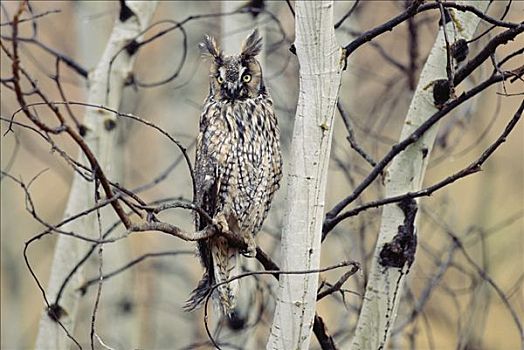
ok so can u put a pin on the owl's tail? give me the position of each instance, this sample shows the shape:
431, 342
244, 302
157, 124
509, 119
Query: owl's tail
222, 262
226, 264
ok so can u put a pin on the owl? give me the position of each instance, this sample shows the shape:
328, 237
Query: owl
238, 165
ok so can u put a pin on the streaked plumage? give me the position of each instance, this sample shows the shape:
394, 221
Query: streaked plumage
238, 164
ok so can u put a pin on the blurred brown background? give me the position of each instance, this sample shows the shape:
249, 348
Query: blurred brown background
377, 94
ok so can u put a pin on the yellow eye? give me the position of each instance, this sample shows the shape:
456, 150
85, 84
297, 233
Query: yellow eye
220, 79
246, 78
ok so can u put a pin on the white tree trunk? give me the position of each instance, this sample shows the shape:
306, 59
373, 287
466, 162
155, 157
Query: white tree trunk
406, 174
320, 59
101, 137
123, 326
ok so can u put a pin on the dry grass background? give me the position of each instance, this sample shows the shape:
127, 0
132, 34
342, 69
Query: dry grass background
483, 200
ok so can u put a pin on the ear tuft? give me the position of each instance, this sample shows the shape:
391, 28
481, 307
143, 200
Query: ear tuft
211, 46
251, 46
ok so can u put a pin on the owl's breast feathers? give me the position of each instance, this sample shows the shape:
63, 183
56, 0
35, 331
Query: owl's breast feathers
239, 156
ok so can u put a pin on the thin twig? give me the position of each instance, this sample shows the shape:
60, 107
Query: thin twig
267, 272
473, 168
331, 221
348, 14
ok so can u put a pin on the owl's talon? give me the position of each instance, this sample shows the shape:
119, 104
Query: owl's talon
251, 250
221, 223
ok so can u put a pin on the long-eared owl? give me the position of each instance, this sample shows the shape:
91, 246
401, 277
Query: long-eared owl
238, 164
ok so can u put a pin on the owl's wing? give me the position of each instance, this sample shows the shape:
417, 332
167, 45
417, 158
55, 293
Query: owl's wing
274, 172
207, 180
263, 181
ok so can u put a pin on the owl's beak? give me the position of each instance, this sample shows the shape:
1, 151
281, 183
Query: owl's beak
232, 90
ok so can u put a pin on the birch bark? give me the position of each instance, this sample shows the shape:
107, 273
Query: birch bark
101, 138
406, 174
320, 59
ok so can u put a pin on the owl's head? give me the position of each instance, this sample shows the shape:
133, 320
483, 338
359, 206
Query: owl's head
236, 77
